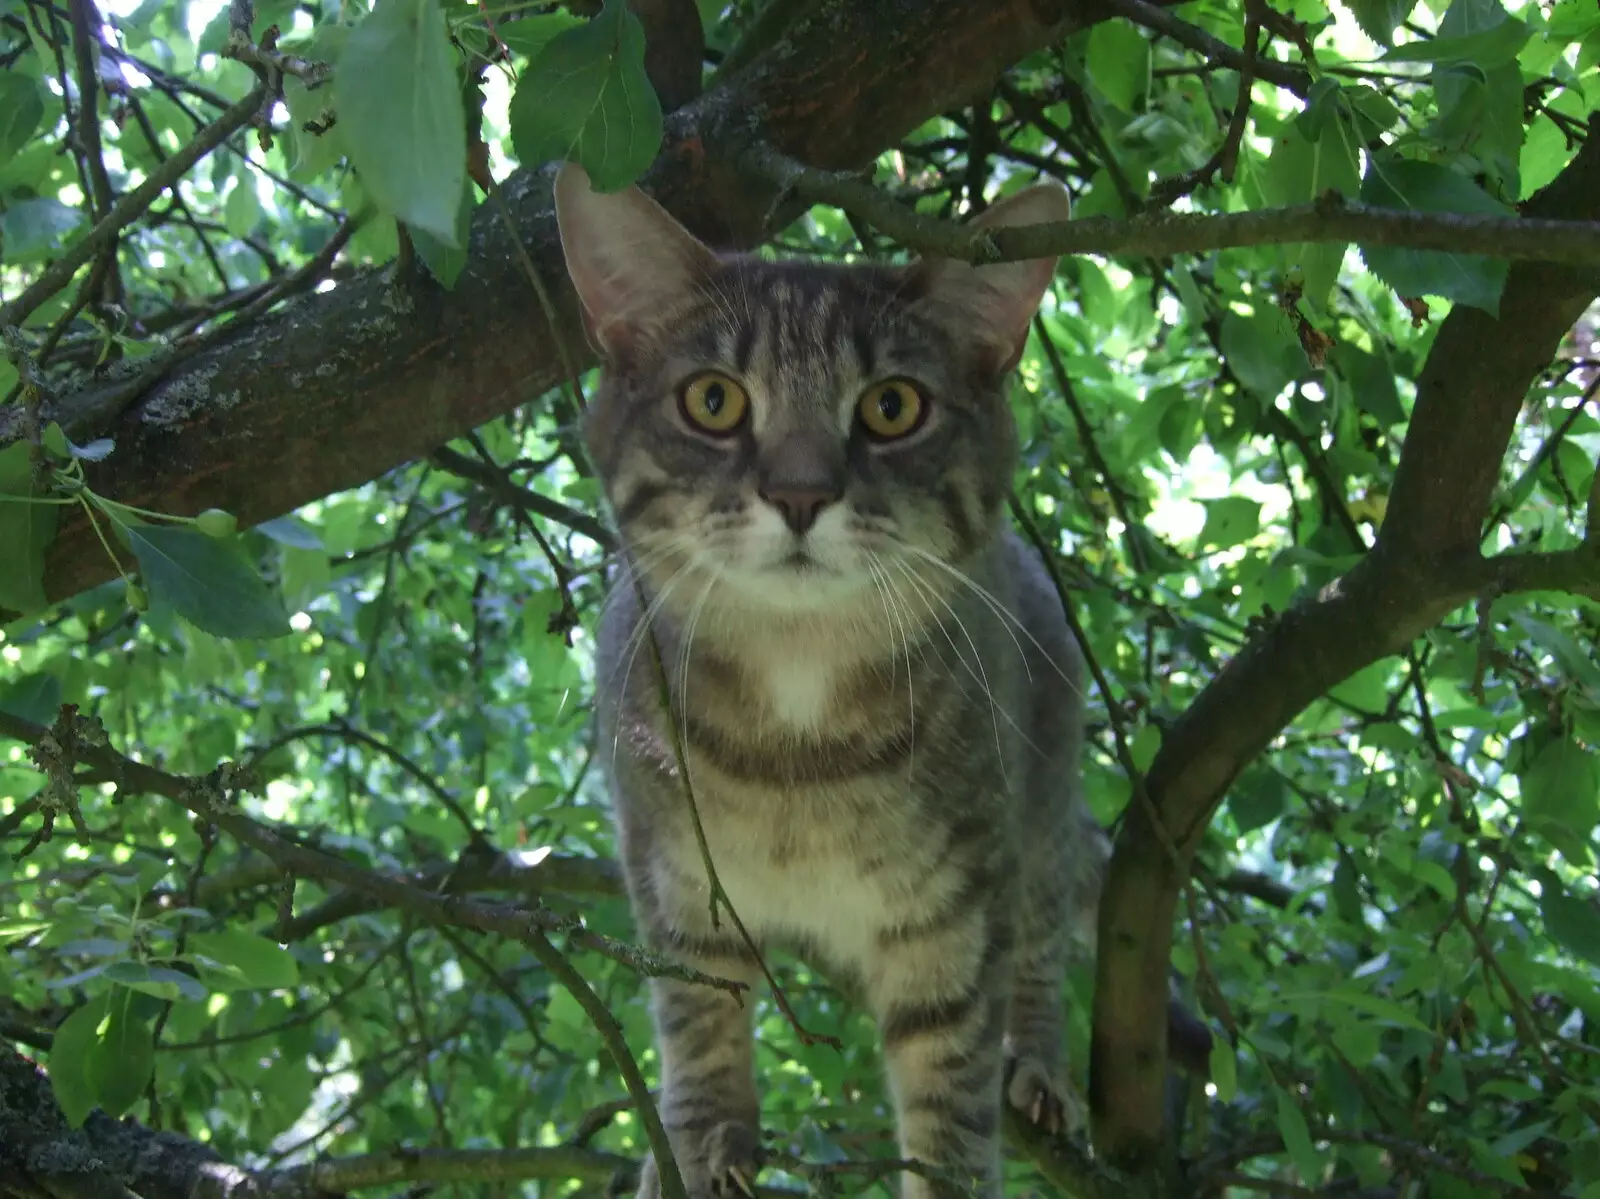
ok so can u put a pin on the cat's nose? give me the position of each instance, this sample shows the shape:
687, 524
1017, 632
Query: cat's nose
799, 506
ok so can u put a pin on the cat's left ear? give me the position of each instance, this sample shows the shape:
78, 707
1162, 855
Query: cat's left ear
994, 304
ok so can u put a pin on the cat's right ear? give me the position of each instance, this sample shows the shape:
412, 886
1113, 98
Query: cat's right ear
629, 260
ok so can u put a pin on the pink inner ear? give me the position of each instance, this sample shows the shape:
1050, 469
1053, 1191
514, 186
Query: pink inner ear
1012, 302
628, 259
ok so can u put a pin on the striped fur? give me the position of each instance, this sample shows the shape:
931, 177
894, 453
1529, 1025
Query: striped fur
882, 742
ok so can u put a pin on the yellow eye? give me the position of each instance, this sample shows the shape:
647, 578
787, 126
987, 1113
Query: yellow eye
892, 409
715, 403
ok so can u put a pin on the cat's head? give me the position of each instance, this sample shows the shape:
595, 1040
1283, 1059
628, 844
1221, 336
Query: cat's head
787, 435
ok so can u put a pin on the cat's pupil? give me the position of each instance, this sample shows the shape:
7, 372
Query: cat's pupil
716, 395
890, 403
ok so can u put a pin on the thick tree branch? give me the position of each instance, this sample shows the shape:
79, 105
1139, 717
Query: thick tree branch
1423, 565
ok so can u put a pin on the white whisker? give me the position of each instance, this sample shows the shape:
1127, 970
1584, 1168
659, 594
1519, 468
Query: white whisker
980, 676
1008, 619
885, 588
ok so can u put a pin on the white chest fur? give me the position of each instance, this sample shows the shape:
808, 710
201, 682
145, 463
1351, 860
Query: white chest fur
799, 692
797, 868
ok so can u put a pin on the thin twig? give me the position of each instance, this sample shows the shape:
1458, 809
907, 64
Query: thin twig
555, 964
1331, 218
1160, 20
85, 36
132, 206
1226, 158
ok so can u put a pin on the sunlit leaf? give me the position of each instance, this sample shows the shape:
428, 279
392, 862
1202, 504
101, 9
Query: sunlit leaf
205, 580
586, 98
236, 959
1464, 278
400, 111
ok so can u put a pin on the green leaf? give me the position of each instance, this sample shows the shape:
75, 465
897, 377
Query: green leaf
1371, 107
1573, 923
1424, 186
1480, 112
1545, 154
1229, 521
205, 580
75, 1039
1371, 382
291, 530
400, 109
1257, 799
242, 212
21, 110
1346, 892
587, 99
1570, 20
1297, 1140
447, 261
30, 229
1362, 1001
238, 961
530, 34
304, 575
1379, 18
55, 441
1118, 61
1262, 352
315, 152
1435, 876
26, 530
1224, 1070
1486, 48
35, 697
1358, 1040
1301, 169
1561, 787
121, 1060
155, 980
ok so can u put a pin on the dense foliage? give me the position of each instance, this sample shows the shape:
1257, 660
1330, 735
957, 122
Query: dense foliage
1393, 925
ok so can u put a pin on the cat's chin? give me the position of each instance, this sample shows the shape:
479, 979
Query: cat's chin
797, 585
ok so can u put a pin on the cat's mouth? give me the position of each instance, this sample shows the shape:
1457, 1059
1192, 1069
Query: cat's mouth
798, 561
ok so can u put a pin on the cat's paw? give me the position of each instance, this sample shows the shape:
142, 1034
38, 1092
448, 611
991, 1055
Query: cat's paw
1044, 1100
721, 1163
731, 1156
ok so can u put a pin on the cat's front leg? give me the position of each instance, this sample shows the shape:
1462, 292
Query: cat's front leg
940, 990
708, 1097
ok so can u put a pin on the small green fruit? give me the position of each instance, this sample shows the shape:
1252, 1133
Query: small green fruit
137, 599
214, 522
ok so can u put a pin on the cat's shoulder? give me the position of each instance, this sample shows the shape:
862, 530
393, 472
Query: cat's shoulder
1038, 600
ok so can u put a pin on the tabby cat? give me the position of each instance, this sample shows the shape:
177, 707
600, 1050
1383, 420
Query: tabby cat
874, 687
